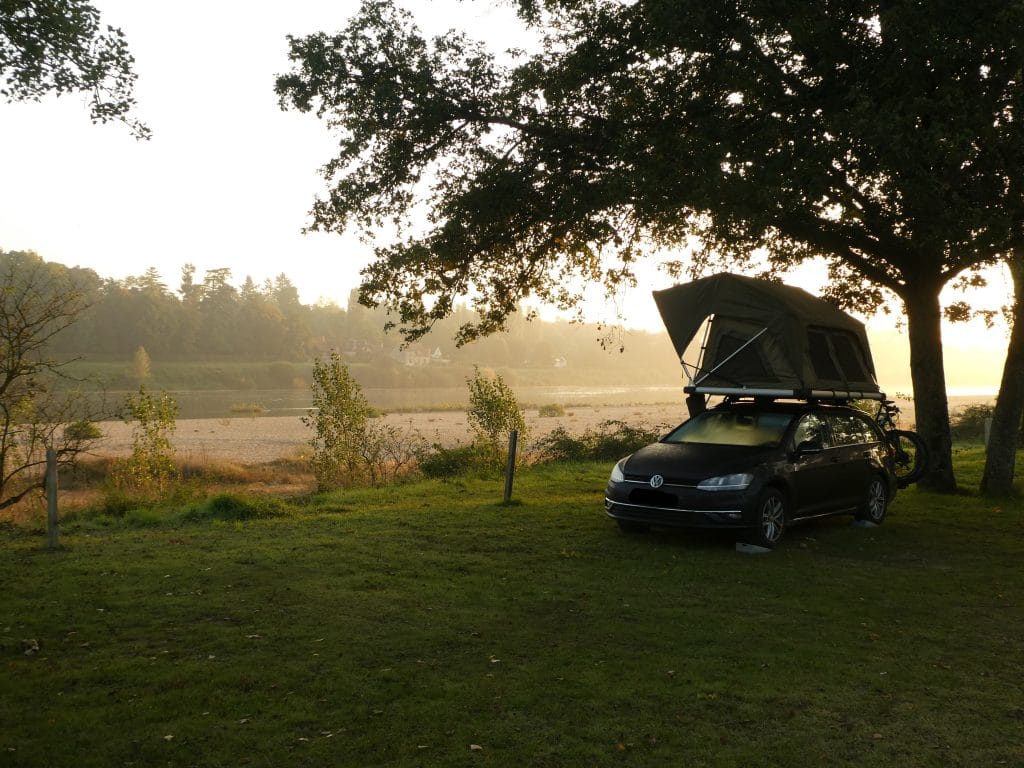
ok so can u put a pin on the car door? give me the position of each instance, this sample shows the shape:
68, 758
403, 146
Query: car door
851, 436
814, 467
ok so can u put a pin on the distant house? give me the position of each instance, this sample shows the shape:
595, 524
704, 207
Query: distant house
414, 357
419, 356
561, 362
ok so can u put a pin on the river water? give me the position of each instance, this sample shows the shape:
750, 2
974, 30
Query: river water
210, 404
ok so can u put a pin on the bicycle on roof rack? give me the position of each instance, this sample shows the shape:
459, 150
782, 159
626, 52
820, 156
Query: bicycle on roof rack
911, 454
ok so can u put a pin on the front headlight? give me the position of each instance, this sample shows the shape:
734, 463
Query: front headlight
737, 482
618, 475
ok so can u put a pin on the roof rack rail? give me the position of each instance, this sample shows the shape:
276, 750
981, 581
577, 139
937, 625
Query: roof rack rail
796, 394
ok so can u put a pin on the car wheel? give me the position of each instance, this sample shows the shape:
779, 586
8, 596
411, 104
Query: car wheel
628, 526
876, 502
771, 519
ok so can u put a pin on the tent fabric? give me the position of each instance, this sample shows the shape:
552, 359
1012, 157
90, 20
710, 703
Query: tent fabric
800, 342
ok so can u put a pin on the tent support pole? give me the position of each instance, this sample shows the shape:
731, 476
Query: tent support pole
746, 344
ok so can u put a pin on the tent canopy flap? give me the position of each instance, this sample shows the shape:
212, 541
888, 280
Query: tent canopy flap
766, 335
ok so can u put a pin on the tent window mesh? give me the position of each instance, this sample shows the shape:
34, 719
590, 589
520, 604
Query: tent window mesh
821, 357
746, 365
849, 360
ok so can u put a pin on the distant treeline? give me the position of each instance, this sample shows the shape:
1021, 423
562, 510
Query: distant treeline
210, 318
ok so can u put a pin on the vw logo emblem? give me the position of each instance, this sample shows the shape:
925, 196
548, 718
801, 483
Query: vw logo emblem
656, 481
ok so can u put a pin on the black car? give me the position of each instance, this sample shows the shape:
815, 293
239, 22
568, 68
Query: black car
758, 467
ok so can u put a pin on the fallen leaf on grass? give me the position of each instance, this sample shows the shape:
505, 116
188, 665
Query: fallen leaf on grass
475, 748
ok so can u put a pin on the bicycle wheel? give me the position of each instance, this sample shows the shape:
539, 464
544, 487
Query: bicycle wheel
910, 454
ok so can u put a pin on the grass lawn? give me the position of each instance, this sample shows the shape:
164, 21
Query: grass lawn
428, 625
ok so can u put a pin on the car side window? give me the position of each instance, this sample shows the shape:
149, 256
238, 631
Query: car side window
813, 428
850, 429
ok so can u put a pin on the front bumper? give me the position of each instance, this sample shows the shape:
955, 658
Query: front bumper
683, 508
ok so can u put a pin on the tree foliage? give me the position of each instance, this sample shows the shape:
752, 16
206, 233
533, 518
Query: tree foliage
36, 305
493, 412
269, 323
338, 418
348, 446
59, 46
150, 472
883, 137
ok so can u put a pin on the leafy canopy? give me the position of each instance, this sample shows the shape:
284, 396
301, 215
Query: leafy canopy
883, 136
58, 46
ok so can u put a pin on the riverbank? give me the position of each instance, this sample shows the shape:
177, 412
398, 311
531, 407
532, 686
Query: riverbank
262, 439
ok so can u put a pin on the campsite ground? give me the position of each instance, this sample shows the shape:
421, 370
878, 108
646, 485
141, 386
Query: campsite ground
427, 624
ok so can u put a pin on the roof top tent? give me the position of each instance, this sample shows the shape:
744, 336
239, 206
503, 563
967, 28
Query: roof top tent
765, 339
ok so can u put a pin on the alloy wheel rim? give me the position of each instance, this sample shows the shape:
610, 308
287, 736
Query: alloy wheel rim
772, 519
876, 501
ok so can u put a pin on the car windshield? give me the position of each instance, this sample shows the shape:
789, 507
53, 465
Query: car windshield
747, 428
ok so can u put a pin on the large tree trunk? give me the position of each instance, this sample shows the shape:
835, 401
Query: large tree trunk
927, 373
997, 479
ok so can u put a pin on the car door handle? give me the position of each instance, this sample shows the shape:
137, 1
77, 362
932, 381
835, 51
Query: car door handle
834, 460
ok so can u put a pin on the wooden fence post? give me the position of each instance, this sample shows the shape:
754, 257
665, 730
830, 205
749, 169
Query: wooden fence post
51, 498
510, 466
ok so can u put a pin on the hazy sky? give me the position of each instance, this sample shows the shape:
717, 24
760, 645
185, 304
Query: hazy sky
228, 178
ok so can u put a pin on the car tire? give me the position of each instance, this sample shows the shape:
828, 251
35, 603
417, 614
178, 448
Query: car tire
876, 502
770, 519
628, 526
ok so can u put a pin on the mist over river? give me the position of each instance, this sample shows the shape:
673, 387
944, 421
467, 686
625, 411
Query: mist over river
212, 404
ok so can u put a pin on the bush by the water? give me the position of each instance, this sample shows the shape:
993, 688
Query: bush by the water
610, 440
550, 410
441, 462
968, 423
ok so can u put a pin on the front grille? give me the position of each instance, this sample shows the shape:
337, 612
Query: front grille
651, 497
685, 482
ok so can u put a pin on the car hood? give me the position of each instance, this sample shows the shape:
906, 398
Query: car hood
692, 462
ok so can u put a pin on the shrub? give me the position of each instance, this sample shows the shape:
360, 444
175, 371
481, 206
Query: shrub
82, 431
347, 448
388, 453
611, 440
338, 418
248, 409
968, 423
150, 471
443, 462
493, 412
229, 506
551, 410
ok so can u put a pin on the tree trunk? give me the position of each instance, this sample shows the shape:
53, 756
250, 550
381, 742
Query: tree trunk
927, 373
1001, 455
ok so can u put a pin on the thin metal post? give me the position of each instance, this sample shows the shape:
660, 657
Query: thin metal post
510, 466
51, 498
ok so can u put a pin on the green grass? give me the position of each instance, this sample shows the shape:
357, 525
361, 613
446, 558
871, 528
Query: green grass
401, 626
